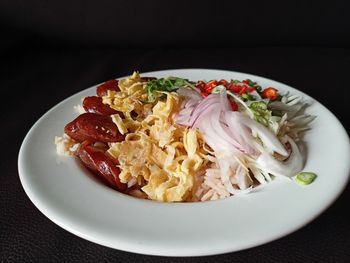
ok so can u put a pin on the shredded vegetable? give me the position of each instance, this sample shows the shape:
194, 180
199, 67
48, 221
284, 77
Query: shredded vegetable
172, 139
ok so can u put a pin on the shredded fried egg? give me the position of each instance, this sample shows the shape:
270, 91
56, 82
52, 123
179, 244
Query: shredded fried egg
162, 157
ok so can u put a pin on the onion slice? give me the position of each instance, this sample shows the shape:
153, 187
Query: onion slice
268, 138
289, 168
232, 134
190, 93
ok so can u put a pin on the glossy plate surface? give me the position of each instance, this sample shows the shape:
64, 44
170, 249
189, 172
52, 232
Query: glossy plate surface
74, 200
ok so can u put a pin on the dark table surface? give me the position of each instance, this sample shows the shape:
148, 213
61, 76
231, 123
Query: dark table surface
34, 80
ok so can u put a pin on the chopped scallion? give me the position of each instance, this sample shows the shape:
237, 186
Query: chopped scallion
305, 178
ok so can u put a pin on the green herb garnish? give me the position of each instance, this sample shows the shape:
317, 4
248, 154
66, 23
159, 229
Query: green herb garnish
258, 88
254, 85
164, 84
251, 83
260, 111
305, 178
247, 96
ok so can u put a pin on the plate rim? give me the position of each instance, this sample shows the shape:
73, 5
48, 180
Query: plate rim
44, 210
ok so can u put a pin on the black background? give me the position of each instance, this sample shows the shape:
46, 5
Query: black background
49, 50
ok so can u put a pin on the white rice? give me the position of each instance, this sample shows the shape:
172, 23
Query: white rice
65, 145
79, 109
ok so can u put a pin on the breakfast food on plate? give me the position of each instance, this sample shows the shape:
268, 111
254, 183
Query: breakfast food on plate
172, 139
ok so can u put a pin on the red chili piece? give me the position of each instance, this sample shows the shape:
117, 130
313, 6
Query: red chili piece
210, 85
244, 89
270, 93
236, 88
251, 89
234, 105
223, 82
201, 86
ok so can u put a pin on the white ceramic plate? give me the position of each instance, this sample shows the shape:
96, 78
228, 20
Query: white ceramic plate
71, 198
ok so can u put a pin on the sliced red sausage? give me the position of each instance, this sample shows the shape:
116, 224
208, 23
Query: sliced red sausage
94, 104
93, 127
101, 165
102, 89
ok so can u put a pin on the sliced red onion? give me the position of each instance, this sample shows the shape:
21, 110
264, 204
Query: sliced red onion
229, 133
212, 100
209, 124
242, 134
214, 110
213, 122
190, 103
190, 93
212, 125
183, 117
224, 102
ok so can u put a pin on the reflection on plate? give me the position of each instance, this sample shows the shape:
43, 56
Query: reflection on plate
64, 193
